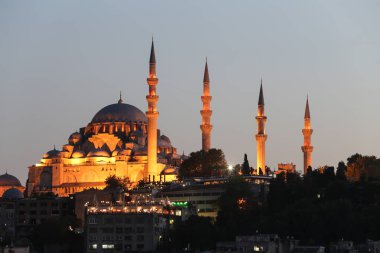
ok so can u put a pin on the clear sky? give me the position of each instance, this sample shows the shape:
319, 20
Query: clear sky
62, 61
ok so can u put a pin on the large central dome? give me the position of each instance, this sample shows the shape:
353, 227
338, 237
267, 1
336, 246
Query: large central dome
119, 112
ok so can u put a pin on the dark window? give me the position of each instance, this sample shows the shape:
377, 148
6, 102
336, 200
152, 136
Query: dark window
93, 230
140, 220
140, 230
108, 220
140, 246
140, 238
128, 238
128, 230
107, 230
119, 230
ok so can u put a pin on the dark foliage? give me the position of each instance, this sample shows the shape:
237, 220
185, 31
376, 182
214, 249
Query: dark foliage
204, 164
58, 233
116, 183
322, 207
197, 232
318, 208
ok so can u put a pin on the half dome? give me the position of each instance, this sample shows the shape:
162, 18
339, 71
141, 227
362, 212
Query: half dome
98, 153
9, 180
52, 154
13, 193
119, 112
165, 138
75, 138
78, 154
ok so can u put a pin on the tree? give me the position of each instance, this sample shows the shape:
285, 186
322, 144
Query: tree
204, 164
361, 167
236, 170
245, 169
235, 207
116, 183
341, 171
197, 232
58, 233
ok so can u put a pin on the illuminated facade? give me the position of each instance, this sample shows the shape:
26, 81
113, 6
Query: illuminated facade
152, 115
120, 140
206, 112
261, 136
129, 227
307, 131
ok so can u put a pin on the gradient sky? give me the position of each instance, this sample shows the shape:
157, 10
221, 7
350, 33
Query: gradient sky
62, 61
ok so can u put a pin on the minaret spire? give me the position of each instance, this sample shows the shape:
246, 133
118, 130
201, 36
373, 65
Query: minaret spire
307, 131
261, 136
120, 99
206, 111
307, 110
206, 78
261, 96
152, 173
152, 61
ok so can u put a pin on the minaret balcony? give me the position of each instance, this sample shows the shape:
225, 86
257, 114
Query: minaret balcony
307, 132
261, 137
152, 80
206, 113
307, 149
152, 114
206, 99
206, 128
152, 98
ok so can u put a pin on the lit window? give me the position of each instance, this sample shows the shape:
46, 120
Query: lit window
108, 246
93, 246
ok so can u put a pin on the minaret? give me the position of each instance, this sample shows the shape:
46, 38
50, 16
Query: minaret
307, 131
206, 113
152, 115
261, 137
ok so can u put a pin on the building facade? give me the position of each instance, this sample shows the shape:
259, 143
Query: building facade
120, 140
129, 227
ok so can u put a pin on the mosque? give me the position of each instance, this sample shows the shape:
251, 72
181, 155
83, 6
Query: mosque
122, 140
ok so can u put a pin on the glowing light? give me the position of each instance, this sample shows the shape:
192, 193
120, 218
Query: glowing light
230, 167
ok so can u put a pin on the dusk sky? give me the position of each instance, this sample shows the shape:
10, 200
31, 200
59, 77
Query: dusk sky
62, 61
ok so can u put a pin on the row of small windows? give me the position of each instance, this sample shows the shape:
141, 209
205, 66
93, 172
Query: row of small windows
118, 220
189, 194
118, 247
117, 230
207, 210
107, 238
41, 212
35, 204
6, 206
